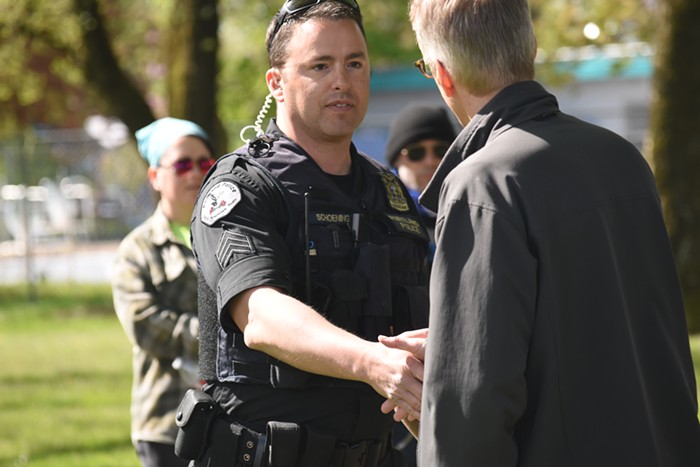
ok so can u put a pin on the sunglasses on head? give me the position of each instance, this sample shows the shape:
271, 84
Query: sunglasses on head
182, 166
416, 152
292, 7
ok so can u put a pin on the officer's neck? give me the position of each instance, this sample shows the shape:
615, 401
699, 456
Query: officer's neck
333, 161
331, 155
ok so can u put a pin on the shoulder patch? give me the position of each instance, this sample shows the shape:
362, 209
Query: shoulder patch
394, 193
219, 201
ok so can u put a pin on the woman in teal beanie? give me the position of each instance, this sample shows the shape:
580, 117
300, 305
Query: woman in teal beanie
154, 285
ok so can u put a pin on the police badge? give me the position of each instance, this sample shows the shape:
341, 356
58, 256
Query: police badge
394, 192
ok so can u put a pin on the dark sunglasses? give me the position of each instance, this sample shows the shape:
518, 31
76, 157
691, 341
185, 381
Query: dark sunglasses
416, 152
182, 166
292, 7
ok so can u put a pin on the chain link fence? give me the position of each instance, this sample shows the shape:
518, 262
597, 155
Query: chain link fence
64, 184
80, 186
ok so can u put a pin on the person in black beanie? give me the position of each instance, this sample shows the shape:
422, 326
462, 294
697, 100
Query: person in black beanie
418, 139
419, 132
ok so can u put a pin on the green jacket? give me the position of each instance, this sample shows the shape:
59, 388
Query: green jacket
155, 296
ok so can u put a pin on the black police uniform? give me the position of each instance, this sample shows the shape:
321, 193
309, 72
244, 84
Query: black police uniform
352, 247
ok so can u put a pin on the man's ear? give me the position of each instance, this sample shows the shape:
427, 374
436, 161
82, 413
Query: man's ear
444, 79
274, 84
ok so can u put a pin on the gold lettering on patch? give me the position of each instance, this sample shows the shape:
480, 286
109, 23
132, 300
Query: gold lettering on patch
394, 193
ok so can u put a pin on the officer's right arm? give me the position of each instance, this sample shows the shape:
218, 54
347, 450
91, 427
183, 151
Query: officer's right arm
303, 338
246, 261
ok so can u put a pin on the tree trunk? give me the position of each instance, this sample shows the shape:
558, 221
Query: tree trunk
102, 70
193, 46
675, 130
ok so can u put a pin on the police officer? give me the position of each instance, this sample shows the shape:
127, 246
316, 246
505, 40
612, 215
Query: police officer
308, 252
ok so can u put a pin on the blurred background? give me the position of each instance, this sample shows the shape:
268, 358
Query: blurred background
78, 77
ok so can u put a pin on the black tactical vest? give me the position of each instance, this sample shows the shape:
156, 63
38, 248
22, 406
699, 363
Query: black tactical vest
359, 260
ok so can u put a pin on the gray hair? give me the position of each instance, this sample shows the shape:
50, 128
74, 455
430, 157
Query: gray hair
484, 44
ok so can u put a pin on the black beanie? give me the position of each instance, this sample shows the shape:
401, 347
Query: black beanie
417, 122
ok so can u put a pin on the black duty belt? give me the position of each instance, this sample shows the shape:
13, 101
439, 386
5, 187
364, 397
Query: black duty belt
210, 438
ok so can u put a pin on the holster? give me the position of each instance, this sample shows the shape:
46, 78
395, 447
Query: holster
231, 444
194, 417
211, 438
208, 437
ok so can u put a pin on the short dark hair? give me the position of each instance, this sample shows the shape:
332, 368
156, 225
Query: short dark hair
332, 10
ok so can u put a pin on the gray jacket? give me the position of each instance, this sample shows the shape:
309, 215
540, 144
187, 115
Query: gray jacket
557, 328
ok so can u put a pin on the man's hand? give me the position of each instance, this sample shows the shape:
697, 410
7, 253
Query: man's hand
413, 342
410, 341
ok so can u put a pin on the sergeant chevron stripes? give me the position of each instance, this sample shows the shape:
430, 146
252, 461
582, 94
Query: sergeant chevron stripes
232, 243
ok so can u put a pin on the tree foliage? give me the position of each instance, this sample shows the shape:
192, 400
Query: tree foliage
66, 59
141, 60
39, 82
560, 23
133, 60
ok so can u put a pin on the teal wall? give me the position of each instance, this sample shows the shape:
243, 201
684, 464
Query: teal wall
402, 79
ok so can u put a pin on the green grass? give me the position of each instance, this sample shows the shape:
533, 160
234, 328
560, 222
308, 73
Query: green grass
66, 376
65, 380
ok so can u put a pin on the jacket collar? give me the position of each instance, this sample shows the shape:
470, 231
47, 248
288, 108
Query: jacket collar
161, 232
511, 107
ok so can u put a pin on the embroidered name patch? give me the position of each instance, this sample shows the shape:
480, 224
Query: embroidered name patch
219, 201
331, 218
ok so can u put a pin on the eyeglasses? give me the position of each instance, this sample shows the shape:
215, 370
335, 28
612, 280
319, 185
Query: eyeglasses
416, 152
292, 7
182, 166
424, 68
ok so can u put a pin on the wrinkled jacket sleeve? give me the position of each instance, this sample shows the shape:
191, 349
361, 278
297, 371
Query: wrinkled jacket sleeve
155, 299
483, 289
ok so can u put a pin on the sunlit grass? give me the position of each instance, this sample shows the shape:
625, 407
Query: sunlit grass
66, 377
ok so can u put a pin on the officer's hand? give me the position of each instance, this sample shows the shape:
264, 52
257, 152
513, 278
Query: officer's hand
398, 377
410, 341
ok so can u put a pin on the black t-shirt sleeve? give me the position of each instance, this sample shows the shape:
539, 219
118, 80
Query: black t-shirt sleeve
236, 232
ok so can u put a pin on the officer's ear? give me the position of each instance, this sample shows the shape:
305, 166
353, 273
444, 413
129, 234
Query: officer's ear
273, 77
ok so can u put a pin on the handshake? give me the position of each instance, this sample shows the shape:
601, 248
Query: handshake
405, 390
